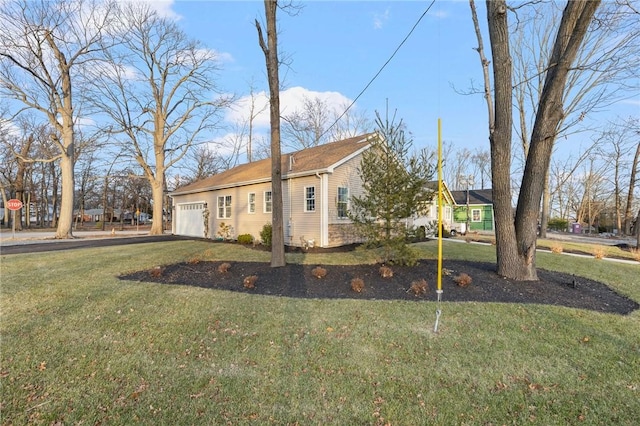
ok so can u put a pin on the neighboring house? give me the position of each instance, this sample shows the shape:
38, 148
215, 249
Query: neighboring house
479, 211
317, 184
428, 216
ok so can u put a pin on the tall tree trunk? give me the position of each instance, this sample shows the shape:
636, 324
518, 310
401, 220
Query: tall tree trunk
632, 184
516, 243
270, 50
546, 206
638, 230
573, 27
500, 133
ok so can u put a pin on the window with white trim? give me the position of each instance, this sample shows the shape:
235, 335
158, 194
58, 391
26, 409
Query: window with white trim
268, 203
343, 202
309, 198
475, 215
224, 207
252, 203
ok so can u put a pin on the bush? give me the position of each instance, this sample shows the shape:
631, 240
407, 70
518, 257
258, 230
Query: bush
265, 234
156, 272
223, 268
557, 248
558, 224
245, 239
385, 272
599, 252
401, 254
357, 285
319, 272
250, 281
463, 280
419, 287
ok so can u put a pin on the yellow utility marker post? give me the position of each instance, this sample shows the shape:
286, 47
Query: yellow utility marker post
440, 209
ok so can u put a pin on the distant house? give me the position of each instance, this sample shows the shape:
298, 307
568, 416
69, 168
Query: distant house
479, 211
317, 184
428, 215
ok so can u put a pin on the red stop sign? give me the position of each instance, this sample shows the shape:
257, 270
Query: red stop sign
14, 204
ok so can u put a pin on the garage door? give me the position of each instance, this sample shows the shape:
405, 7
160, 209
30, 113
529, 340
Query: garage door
189, 219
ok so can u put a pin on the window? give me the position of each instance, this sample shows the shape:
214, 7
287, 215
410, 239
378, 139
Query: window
309, 198
224, 207
475, 215
252, 202
268, 204
343, 198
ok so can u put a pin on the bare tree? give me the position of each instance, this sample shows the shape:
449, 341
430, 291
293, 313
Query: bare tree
307, 127
601, 75
516, 239
44, 48
317, 122
157, 87
269, 47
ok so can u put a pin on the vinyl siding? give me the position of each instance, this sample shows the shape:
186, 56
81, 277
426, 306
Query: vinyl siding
241, 221
346, 175
299, 223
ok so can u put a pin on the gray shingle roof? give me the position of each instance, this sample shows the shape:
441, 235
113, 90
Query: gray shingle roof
476, 196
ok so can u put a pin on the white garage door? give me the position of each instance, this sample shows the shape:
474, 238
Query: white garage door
189, 219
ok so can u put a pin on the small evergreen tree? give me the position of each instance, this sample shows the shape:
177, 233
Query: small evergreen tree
394, 188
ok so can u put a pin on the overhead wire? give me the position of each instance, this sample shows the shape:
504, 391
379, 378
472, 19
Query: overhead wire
381, 68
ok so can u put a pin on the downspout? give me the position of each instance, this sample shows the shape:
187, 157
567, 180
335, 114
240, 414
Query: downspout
324, 209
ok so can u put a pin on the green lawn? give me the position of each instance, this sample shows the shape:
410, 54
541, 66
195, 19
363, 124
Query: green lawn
81, 347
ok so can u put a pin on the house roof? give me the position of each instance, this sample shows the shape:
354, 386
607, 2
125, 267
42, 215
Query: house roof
318, 159
476, 196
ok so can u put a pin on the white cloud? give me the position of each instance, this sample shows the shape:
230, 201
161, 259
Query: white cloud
164, 8
439, 14
380, 19
291, 100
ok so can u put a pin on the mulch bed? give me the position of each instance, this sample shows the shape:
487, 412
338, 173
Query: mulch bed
292, 280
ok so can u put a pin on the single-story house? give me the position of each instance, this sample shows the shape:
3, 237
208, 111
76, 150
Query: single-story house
317, 184
479, 209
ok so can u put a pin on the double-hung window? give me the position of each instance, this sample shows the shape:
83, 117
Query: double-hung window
309, 198
268, 203
475, 215
224, 207
342, 204
252, 203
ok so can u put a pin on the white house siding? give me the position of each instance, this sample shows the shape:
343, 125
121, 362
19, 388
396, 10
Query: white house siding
341, 230
300, 224
241, 221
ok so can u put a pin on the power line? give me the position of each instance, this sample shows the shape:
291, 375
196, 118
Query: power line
381, 68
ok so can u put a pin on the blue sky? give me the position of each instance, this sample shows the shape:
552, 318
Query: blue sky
336, 47
340, 46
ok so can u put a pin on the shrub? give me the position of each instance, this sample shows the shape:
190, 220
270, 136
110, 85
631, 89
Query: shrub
599, 252
225, 231
635, 253
319, 272
419, 287
245, 239
463, 279
250, 281
357, 285
399, 253
558, 224
223, 268
556, 248
265, 234
385, 272
194, 260
156, 271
